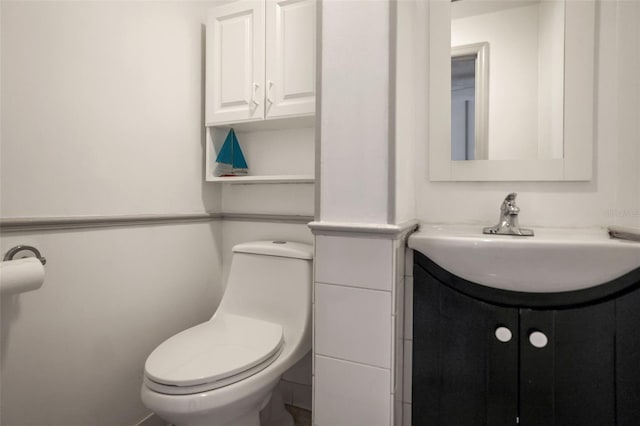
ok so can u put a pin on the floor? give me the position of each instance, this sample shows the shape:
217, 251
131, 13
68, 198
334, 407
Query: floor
301, 417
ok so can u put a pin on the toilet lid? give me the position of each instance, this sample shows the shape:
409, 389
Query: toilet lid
215, 350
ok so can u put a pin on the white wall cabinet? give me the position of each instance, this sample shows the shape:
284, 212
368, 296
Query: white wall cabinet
260, 61
260, 80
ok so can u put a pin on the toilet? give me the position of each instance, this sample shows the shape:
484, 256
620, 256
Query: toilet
225, 372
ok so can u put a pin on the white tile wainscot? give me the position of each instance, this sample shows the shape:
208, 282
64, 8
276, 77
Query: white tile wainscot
408, 337
348, 393
353, 324
398, 335
358, 308
353, 261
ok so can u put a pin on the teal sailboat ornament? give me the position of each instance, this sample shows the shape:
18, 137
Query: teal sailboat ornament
230, 159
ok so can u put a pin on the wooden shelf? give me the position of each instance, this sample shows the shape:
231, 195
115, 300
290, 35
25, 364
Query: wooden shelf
263, 179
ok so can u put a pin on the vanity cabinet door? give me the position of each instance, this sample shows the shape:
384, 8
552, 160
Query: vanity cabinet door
235, 62
465, 356
567, 366
628, 359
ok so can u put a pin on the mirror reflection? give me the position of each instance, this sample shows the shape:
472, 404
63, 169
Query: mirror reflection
507, 79
469, 97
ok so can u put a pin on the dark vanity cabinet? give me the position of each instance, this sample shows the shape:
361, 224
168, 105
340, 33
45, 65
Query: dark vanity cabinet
484, 356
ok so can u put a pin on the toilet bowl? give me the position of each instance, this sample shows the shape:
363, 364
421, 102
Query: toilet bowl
223, 372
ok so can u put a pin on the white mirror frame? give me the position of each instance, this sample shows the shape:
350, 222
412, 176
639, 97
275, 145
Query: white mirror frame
576, 164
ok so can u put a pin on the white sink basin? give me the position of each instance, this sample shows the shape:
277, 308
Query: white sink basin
554, 260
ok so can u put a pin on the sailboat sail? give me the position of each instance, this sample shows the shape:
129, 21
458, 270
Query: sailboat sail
230, 158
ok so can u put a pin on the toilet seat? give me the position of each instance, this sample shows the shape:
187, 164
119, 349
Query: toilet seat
224, 350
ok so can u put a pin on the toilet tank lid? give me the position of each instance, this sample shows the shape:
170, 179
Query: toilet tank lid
276, 248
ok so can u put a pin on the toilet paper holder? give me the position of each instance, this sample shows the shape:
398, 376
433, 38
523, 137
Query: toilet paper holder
17, 249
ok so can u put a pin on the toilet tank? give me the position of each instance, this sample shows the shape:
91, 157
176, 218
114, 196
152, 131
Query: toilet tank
272, 281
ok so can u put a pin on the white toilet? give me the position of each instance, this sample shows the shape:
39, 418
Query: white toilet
224, 371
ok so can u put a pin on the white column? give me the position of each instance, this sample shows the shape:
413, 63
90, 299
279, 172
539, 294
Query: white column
354, 111
359, 269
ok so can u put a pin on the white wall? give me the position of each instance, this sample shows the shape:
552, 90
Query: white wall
102, 115
293, 199
550, 81
73, 352
612, 196
102, 107
285, 151
625, 210
354, 113
274, 152
405, 113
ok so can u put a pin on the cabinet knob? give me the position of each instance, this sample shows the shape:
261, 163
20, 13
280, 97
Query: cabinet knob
538, 339
503, 334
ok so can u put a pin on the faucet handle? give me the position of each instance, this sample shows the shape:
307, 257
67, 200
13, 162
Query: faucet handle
511, 197
509, 204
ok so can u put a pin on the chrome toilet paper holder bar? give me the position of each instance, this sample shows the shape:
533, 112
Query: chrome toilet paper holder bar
17, 249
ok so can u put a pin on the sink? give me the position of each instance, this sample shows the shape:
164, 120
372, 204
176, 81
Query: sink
554, 260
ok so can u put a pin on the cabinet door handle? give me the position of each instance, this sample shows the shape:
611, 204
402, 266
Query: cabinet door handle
253, 95
503, 334
538, 339
269, 86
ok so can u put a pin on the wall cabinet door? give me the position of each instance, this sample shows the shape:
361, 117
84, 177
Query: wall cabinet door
291, 57
235, 62
465, 358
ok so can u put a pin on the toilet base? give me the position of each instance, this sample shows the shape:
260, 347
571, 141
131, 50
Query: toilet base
269, 412
249, 419
274, 413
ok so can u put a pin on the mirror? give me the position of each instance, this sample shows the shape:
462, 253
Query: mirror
522, 106
518, 103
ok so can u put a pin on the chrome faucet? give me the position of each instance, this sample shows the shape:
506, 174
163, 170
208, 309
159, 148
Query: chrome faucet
508, 224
